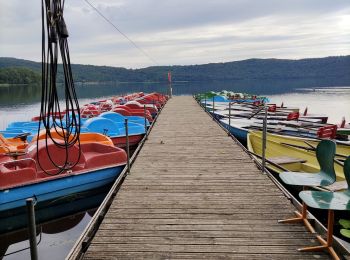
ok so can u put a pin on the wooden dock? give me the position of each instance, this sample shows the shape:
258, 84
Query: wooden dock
195, 194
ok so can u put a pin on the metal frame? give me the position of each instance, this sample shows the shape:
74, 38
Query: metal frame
32, 229
325, 244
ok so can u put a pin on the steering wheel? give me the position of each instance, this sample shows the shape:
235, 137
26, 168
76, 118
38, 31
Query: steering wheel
23, 136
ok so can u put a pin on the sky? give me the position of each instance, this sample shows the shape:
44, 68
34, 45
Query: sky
182, 32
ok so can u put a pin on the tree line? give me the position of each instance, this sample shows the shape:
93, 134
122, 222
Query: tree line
19, 75
329, 69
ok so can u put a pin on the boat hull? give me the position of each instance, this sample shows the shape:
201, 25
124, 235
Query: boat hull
120, 141
278, 147
239, 133
13, 220
62, 186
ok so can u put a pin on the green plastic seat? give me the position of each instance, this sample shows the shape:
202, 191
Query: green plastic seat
329, 201
325, 152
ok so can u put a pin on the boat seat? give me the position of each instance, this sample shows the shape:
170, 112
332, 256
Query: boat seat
100, 155
325, 152
17, 172
286, 159
57, 154
328, 201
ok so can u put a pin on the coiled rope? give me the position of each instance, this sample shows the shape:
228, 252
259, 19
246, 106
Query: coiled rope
68, 127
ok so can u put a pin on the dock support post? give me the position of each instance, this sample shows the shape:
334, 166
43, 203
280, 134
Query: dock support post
229, 116
264, 139
170, 90
213, 105
205, 103
32, 229
127, 144
144, 113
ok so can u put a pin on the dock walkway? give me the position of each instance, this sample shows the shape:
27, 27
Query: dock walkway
195, 194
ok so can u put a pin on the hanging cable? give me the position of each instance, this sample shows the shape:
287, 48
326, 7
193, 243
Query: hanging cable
123, 34
67, 127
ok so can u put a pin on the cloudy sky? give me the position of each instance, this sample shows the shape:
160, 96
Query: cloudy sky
181, 32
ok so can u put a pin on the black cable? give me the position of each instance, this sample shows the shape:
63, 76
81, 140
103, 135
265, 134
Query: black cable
55, 32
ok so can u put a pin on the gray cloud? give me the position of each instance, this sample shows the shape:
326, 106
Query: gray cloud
184, 32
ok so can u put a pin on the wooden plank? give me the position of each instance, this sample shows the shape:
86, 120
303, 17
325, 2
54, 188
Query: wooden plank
120, 214
196, 234
232, 241
192, 248
248, 212
286, 160
247, 228
237, 206
204, 241
194, 194
197, 221
199, 255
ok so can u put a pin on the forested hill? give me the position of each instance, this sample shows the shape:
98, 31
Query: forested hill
330, 69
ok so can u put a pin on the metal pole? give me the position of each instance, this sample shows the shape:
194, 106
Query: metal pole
264, 139
32, 229
229, 115
144, 110
127, 144
205, 103
213, 104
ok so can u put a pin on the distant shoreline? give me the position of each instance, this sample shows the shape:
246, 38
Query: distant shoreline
325, 71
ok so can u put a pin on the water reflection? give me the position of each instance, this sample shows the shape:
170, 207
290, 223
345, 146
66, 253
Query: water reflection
28, 94
58, 227
19, 94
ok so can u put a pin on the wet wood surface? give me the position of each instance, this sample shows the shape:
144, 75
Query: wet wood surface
195, 194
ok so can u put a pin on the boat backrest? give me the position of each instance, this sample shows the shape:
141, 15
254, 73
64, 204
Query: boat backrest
122, 111
329, 131
95, 138
325, 152
134, 104
272, 107
127, 108
102, 125
293, 116
347, 171
116, 117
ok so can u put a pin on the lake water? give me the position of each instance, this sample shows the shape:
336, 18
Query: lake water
19, 103
58, 226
